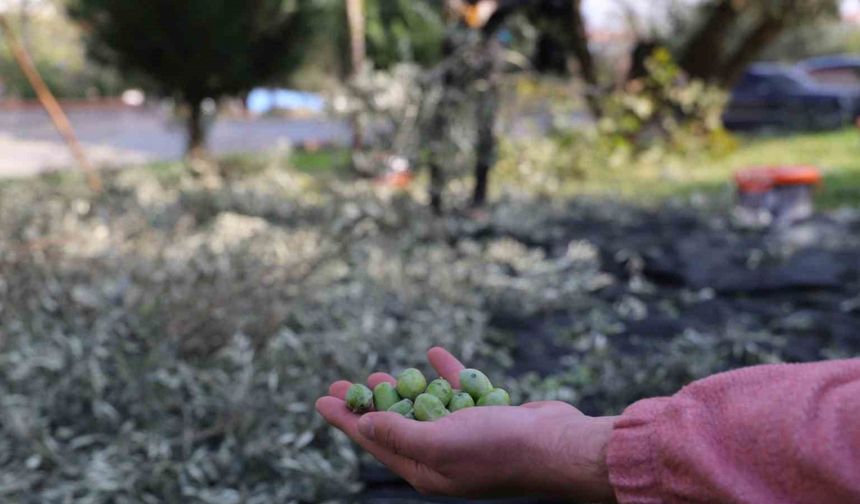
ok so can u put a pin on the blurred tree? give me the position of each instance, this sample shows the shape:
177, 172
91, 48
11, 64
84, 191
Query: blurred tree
404, 31
396, 31
357, 20
54, 43
713, 40
827, 36
197, 49
563, 30
731, 34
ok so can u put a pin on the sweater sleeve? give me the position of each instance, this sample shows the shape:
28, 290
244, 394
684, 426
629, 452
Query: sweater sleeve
768, 434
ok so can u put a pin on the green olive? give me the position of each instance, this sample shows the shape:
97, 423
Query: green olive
461, 401
441, 389
475, 383
498, 397
428, 408
359, 399
384, 396
403, 407
411, 383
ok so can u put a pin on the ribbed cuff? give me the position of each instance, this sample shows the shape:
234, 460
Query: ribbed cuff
633, 454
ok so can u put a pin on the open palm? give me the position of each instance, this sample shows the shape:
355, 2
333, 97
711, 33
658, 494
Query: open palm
544, 448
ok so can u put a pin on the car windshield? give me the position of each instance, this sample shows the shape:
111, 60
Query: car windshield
788, 81
785, 81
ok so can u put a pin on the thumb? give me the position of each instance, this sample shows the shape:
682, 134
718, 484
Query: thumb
404, 437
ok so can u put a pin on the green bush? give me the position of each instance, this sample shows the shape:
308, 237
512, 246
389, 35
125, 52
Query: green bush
664, 110
54, 43
661, 122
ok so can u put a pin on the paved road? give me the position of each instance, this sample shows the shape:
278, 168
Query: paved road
126, 136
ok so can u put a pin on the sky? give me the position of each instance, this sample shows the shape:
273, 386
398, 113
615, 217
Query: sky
606, 14
601, 14
609, 14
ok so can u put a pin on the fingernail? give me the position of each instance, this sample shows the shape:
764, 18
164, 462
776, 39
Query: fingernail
365, 427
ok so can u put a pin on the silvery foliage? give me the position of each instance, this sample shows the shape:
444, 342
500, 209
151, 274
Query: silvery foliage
165, 342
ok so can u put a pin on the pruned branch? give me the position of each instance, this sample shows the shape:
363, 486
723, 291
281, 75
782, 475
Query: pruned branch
50, 103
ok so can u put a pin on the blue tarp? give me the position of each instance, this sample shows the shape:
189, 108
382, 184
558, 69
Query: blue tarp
263, 100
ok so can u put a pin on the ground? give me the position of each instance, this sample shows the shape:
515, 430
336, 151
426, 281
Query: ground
115, 135
164, 341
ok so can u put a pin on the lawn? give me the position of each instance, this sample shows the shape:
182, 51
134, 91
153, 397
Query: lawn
645, 182
331, 161
836, 153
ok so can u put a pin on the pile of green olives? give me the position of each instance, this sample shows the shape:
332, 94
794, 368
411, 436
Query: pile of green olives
415, 399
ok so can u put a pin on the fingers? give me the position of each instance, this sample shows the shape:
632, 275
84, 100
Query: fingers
338, 389
335, 412
377, 378
408, 438
416, 473
446, 365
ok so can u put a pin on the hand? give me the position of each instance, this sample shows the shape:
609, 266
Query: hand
547, 448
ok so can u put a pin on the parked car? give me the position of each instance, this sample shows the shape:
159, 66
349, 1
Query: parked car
783, 97
837, 70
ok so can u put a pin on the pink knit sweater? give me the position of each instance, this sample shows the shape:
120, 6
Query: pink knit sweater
768, 434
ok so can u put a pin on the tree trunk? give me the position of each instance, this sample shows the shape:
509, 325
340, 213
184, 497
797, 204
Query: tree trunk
355, 17
703, 53
642, 51
437, 185
487, 144
358, 55
196, 148
765, 32
482, 176
582, 53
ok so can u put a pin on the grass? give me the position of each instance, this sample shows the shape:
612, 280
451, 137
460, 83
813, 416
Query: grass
837, 154
323, 162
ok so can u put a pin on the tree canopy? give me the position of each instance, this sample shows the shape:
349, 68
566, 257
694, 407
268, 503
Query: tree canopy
197, 49
730, 34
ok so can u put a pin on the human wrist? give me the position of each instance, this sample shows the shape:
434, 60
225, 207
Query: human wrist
603, 429
578, 458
